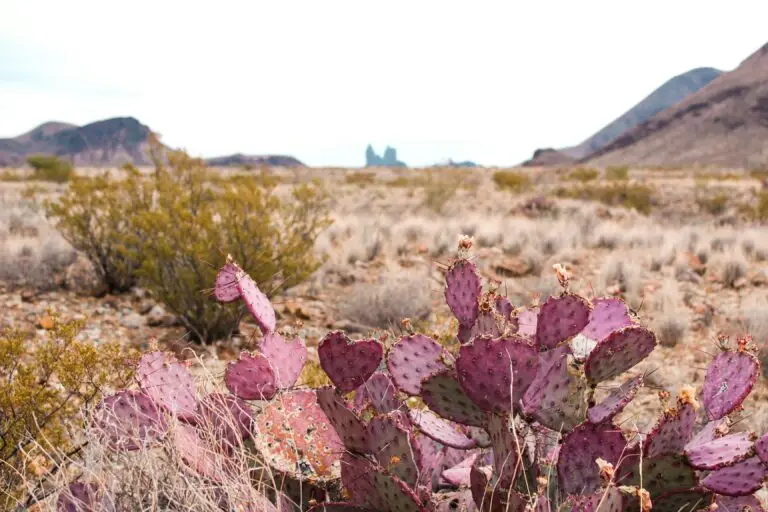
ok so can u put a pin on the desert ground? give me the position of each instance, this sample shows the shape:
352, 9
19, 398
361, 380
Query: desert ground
693, 266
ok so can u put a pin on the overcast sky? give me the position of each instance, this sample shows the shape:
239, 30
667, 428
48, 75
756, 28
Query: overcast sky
483, 81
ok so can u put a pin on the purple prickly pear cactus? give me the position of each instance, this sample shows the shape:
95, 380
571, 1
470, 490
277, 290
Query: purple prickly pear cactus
370, 486
296, 437
487, 324
489, 497
616, 401
711, 431
761, 448
462, 291
608, 314
197, 455
721, 452
444, 395
465, 333
251, 377
527, 320
609, 499
618, 352
257, 303
83, 497
740, 479
349, 363
556, 397
673, 430
286, 357
452, 501
168, 383
440, 430
659, 474
378, 392
226, 417
507, 446
738, 504
347, 425
393, 445
225, 289
729, 380
577, 471
458, 475
684, 499
561, 318
129, 420
504, 307
495, 373
431, 460
414, 358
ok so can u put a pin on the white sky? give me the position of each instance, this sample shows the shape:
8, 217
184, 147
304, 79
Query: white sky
479, 80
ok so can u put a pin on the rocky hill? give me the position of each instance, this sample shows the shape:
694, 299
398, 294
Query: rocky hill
110, 142
241, 160
723, 124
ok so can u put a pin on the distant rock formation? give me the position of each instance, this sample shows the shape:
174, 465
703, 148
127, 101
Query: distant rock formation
241, 160
389, 159
451, 163
546, 157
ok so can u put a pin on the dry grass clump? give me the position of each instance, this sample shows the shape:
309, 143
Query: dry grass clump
671, 317
731, 267
395, 296
619, 274
755, 323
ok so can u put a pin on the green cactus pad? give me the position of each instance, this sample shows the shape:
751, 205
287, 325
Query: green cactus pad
659, 474
445, 396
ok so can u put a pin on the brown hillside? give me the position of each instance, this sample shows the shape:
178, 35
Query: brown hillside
723, 124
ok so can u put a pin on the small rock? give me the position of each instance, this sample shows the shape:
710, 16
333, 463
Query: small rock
513, 267
156, 316
740, 283
132, 321
46, 322
145, 307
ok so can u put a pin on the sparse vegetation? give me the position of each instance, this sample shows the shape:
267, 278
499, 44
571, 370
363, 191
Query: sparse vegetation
50, 168
617, 173
632, 196
582, 174
513, 181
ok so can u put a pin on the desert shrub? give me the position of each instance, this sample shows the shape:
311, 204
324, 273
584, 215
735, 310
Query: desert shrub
715, 205
50, 168
512, 180
582, 174
621, 276
439, 190
732, 267
43, 386
671, 316
620, 173
360, 178
630, 196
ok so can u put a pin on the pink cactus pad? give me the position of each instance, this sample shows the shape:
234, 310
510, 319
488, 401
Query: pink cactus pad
761, 447
414, 358
295, 437
370, 486
489, 497
608, 314
577, 471
431, 457
711, 431
504, 308
615, 402
168, 383
129, 420
507, 450
251, 377
618, 352
227, 418
741, 479
729, 380
527, 320
496, 372
721, 452
347, 425
462, 291
444, 395
349, 363
380, 393
225, 288
440, 430
257, 303
672, 431
287, 358
197, 455
556, 397
391, 441
560, 318
83, 497
747, 503
458, 474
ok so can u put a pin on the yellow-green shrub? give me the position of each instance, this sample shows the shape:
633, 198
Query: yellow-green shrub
631, 196
714, 205
512, 180
50, 168
582, 174
43, 386
617, 173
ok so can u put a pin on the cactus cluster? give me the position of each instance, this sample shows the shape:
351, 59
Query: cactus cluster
507, 422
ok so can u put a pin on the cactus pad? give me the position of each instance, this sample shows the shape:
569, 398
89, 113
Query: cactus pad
391, 442
462, 291
286, 358
83, 497
507, 448
168, 383
761, 448
226, 417
225, 288
556, 397
295, 436
660, 474
608, 314
618, 352
196, 454
257, 303
577, 471
747, 503
346, 424
527, 320
371, 487
683, 500
487, 324
604, 500
561, 318
740, 479
444, 395
453, 501
349, 363
251, 377
495, 373
129, 420
458, 475
491, 498
615, 402
440, 430
730, 377
723, 451
431, 459
414, 358
672, 431
379, 393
